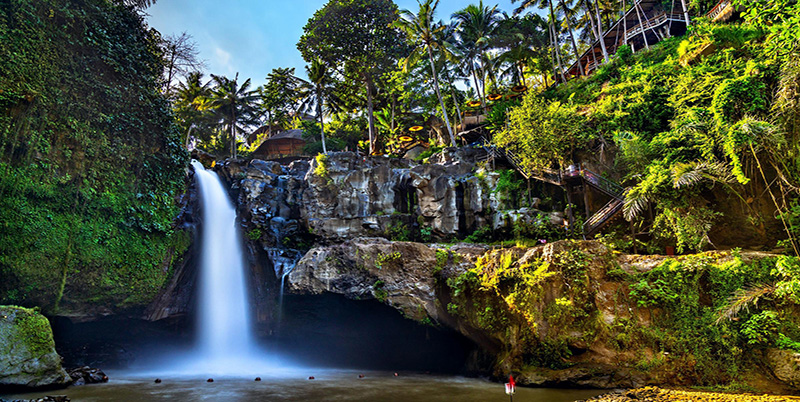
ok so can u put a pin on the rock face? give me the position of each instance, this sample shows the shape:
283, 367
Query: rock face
559, 314
785, 365
343, 196
401, 274
28, 358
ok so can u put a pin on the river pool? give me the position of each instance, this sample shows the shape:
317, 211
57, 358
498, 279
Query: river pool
294, 385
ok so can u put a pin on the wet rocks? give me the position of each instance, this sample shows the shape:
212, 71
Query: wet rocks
28, 357
49, 398
785, 365
655, 394
87, 375
397, 273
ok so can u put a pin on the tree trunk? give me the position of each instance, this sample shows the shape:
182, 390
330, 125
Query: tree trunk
644, 32
600, 31
594, 29
475, 79
373, 147
572, 37
624, 22
439, 95
453, 92
233, 134
556, 51
394, 107
321, 123
686, 13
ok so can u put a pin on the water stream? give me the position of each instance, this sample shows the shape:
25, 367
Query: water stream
225, 342
224, 322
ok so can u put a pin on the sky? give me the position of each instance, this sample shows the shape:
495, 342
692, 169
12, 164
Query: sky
252, 37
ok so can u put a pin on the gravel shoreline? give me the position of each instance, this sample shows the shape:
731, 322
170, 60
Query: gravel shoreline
655, 394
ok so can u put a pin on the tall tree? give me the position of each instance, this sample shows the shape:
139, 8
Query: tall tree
421, 30
567, 21
180, 57
554, 32
476, 24
191, 107
523, 41
314, 93
235, 105
278, 97
359, 38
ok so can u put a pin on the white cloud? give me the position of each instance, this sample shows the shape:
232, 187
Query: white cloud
222, 60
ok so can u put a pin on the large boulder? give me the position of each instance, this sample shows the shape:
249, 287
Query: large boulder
28, 357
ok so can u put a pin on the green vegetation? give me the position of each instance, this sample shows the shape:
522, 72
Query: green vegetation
91, 163
379, 292
33, 331
687, 129
383, 259
703, 324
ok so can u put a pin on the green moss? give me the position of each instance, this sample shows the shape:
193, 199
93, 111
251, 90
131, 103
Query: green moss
33, 331
379, 292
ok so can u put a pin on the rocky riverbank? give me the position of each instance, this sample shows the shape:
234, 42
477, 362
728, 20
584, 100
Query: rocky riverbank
655, 394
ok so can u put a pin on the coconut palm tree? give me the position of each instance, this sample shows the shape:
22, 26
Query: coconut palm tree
318, 90
476, 25
422, 32
553, 30
568, 14
234, 105
191, 106
522, 41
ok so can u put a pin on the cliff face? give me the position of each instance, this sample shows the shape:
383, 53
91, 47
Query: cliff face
343, 196
569, 313
565, 313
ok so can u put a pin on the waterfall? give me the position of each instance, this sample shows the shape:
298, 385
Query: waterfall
224, 320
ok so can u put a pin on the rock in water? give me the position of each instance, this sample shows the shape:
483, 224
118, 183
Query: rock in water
28, 357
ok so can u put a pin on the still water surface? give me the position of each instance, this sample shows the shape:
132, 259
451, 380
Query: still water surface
328, 385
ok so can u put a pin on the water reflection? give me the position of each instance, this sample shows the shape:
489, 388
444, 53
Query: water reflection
293, 385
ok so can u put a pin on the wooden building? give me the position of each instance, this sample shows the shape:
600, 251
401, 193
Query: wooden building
285, 144
645, 24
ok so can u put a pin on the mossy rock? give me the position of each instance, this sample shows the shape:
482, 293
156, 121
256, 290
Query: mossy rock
28, 357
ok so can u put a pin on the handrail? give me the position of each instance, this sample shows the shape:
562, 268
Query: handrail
718, 9
602, 216
654, 22
601, 183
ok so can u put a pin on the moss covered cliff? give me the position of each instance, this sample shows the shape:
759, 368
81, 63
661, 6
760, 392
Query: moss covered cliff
579, 313
91, 163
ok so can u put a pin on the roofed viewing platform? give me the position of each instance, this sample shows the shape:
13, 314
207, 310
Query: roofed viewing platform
644, 24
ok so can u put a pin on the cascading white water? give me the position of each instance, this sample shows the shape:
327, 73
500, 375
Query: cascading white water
226, 345
224, 331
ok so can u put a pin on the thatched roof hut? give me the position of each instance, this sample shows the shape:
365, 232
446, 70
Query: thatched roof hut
281, 145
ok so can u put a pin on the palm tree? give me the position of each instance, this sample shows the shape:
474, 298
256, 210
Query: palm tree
234, 105
568, 12
551, 20
523, 39
421, 30
191, 103
316, 90
476, 24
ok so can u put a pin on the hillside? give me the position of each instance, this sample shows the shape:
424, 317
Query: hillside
91, 164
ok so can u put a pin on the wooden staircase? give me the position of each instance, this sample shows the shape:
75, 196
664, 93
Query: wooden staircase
608, 212
599, 219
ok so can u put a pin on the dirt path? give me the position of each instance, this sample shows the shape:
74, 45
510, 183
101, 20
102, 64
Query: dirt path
655, 394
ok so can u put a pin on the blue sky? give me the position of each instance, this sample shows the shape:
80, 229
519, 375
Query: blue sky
252, 37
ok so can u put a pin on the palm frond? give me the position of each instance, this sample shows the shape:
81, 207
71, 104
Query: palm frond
742, 299
634, 204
